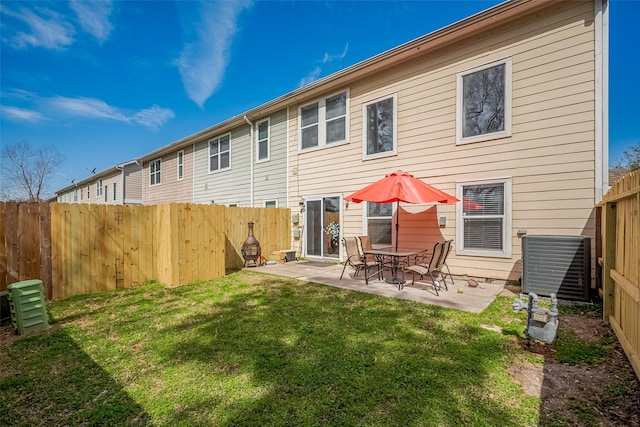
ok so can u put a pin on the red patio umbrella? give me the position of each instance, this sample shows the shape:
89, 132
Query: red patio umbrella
399, 187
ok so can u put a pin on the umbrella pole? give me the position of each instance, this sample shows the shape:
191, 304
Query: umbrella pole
397, 223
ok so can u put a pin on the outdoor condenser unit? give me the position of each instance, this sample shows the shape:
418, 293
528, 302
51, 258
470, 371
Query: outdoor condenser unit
558, 265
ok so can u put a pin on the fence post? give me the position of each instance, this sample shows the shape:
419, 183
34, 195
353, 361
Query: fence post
609, 259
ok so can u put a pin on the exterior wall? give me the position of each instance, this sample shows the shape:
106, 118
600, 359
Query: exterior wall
170, 188
270, 177
234, 184
132, 176
549, 156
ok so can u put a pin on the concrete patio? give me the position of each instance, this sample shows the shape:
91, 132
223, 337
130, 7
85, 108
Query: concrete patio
461, 296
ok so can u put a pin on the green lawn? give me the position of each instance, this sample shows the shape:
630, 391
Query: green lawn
255, 349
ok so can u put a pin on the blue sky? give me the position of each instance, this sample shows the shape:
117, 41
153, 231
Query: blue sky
105, 82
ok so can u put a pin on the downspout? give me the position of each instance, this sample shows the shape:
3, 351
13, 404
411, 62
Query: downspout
601, 98
121, 169
193, 173
252, 160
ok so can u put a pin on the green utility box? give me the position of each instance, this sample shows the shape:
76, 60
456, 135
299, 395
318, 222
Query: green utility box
28, 308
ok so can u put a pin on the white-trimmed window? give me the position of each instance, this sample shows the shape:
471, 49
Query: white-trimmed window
88, 192
155, 172
262, 141
483, 224
270, 203
324, 122
99, 188
106, 193
483, 107
232, 205
114, 191
379, 217
379, 127
219, 153
75, 194
180, 160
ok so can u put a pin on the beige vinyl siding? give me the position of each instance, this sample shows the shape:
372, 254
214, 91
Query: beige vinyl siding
549, 156
170, 188
226, 186
270, 182
132, 191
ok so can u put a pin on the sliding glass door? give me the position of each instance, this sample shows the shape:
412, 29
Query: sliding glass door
322, 225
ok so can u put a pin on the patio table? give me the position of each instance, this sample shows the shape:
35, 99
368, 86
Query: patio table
395, 256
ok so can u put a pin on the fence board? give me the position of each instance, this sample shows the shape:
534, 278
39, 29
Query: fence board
621, 263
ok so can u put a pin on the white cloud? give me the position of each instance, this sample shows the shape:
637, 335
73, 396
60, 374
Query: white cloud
153, 117
315, 73
46, 28
94, 17
85, 107
21, 114
312, 76
203, 61
330, 58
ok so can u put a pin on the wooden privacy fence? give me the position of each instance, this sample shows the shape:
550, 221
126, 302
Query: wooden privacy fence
83, 248
621, 263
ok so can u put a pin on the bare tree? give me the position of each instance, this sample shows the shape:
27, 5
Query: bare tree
631, 158
26, 172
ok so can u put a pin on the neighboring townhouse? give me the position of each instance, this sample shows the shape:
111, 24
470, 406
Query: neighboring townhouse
506, 109
240, 162
167, 175
120, 184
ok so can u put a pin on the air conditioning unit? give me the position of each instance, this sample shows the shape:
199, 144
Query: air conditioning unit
558, 265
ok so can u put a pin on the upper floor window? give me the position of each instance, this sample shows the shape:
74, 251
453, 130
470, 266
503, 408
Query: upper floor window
99, 188
114, 191
180, 165
219, 153
106, 193
263, 140
324, 122
484, 102
88, 191
75, 195
380, 127
155, 172
484, 218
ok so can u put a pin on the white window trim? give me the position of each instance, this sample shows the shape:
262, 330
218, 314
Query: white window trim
507, 104
393, 152
75, 194
233, 205
99, 188
507, 231
178, 165
114, 197
264, 203
322, 137
209, 157
158, 172
257, 132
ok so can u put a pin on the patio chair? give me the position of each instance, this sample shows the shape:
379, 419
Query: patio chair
355, 257
437, 260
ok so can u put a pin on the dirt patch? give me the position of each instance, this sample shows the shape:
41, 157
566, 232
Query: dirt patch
602, 394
